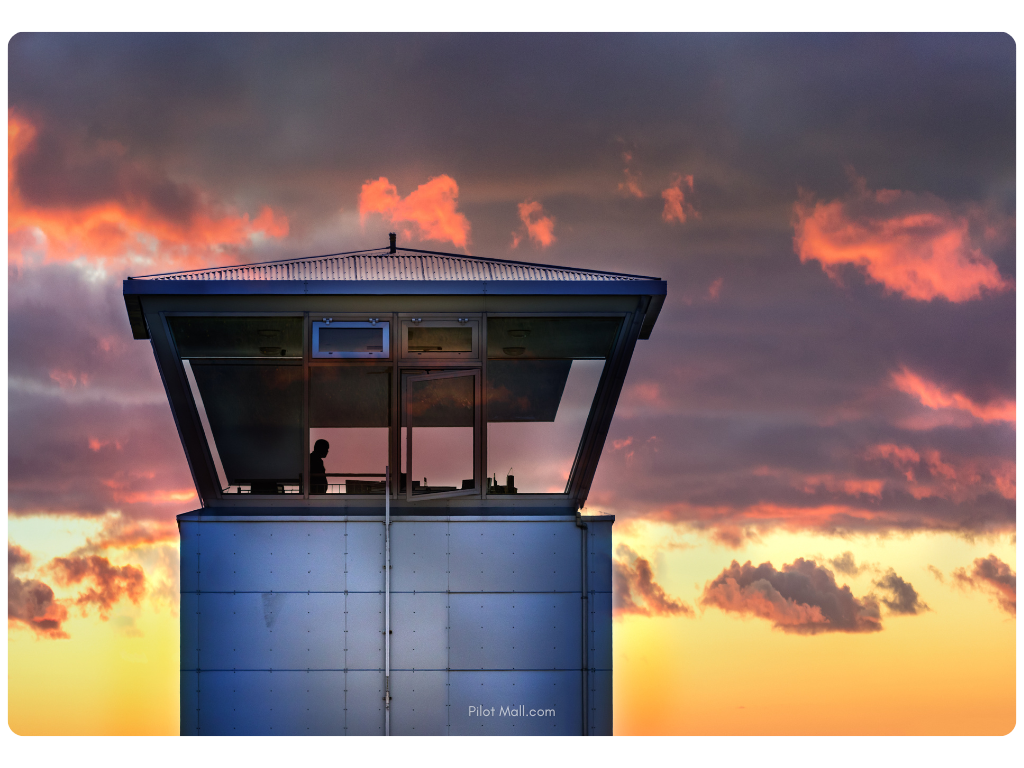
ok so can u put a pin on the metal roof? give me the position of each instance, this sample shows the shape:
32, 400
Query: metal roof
404, 264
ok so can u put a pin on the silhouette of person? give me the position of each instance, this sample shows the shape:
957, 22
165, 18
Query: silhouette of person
317, 472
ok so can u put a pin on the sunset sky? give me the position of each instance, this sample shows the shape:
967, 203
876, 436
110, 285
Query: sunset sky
812, 464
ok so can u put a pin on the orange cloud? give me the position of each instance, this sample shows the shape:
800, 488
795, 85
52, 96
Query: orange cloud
715, 288
72, 199
539, 228
992, 575
111, 583
676, 208
31, 602
430, 209
911, 244
635, 590
931, 395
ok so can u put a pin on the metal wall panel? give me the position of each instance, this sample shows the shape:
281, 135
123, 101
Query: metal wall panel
217, 714
279, 630
600, 702
600, 630
189, 559
364, 631
514, 557
561, 691
599, 555
364, 704
419, 631
188, 707
419, 703
515, 605
364, 557
419, 557
188, 623
521, 631
217, 554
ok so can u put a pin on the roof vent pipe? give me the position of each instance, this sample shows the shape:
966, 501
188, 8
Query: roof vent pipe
391, 237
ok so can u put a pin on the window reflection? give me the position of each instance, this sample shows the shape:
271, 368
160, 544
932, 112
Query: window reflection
441, 412
255, 337
542, 378
255, 416
349, 409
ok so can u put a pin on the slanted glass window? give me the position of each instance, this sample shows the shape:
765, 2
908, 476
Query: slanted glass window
439, 447
350, 339
252, 337
542, 378
253, 418
349, 416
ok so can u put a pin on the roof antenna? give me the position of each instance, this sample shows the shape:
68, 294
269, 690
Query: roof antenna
391, 237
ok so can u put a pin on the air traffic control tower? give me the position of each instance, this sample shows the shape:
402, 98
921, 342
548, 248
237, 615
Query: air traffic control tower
391, 449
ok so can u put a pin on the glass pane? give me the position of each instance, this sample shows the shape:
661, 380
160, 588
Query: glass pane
237, 336
445, 402
350, 461
349, 410
441, 413
551, 337
334, 339
455, 339
349, 396
535, 422
255, 414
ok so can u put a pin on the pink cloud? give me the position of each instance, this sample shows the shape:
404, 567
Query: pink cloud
933, 396
431, 209
913, 244
631, 185
636, 591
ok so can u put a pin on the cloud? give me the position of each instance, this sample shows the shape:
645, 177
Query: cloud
992, 575
676, 208
928, 474
631, 185
846, 565
802, 598
937, 574
715, 288
110, 583
430, 210
635, 590
74, 197
31, 602
913, 244
902, 598
932, 395
734, 536
539, 228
